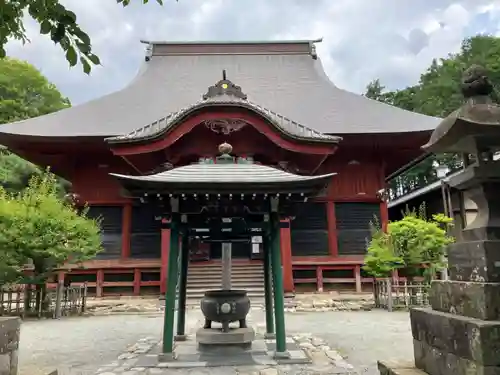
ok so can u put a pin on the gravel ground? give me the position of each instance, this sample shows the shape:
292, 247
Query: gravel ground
84, 344
362, 338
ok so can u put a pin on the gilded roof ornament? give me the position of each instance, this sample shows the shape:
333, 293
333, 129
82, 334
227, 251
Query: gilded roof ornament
224, 87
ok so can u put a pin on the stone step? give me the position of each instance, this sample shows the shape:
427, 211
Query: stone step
203, 290
219, 270
234, 275
201, 281
210, 278
215, 287
214, 271
198, 295
193, 299
255, 301
219, 266
395, 368
207, 277
234, 281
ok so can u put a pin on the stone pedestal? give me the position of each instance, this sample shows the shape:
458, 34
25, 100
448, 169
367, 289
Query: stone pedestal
235, 336
9, 344
460, 333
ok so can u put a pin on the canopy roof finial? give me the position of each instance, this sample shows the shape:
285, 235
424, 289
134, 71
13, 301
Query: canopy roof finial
225, 150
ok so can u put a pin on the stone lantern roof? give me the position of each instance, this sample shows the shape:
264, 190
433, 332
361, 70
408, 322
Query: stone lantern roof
473, 128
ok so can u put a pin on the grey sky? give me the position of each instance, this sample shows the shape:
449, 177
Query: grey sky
394, 40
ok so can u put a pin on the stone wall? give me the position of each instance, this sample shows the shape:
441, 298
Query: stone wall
9, 344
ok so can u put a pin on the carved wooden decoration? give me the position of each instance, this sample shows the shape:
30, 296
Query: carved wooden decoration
225, 126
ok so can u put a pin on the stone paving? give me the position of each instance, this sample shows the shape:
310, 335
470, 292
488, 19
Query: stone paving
307, 302
80, 346
308, 355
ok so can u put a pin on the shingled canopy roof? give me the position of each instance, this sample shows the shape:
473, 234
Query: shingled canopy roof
284, 77
225, 176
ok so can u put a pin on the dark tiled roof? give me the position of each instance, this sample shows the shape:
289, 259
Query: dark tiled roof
291, 84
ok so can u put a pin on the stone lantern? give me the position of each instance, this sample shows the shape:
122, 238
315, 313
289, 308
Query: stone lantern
460, 333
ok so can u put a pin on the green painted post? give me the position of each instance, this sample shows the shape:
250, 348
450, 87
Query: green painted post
268, 286
279, 301
173, 269
181, 309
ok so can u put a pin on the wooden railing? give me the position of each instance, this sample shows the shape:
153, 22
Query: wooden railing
26, 300
419, 176
393, 294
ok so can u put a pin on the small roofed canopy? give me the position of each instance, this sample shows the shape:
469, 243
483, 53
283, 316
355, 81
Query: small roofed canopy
474, 128
225, 176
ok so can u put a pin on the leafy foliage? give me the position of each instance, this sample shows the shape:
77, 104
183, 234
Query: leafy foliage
438, 90
24, 93
438, 94
57, 22
409, 243
37, 226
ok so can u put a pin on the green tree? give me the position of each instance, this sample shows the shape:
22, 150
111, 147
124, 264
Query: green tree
438, 90
375, 91
56, 21
25, 92
438, 94
38, 227
408, 244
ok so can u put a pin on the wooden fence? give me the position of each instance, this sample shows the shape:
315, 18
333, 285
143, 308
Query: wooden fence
25, 300
393, 294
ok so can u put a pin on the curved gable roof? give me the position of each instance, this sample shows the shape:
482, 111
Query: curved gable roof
276, 75
225, 93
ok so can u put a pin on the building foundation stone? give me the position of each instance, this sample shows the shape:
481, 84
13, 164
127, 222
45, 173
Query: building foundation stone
9, 345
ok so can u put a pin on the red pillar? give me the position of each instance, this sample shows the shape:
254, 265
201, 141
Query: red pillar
137, 281
126, 228
165, 249
384, 215
99, 282
357, 275
332, 229
319, 279
286, 256
61, 276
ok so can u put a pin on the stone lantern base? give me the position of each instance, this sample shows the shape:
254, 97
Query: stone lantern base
460, 333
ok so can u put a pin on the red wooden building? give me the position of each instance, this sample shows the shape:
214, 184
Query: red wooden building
273, 102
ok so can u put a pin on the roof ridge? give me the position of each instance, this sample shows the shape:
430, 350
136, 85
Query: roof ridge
232, 94
171, 118
231, 42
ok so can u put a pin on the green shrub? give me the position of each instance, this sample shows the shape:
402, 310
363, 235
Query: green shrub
409, 243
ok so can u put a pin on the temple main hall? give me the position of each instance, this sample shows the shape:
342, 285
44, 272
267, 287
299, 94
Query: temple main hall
274, 104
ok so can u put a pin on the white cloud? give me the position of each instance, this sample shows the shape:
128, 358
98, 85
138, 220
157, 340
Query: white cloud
394, 40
